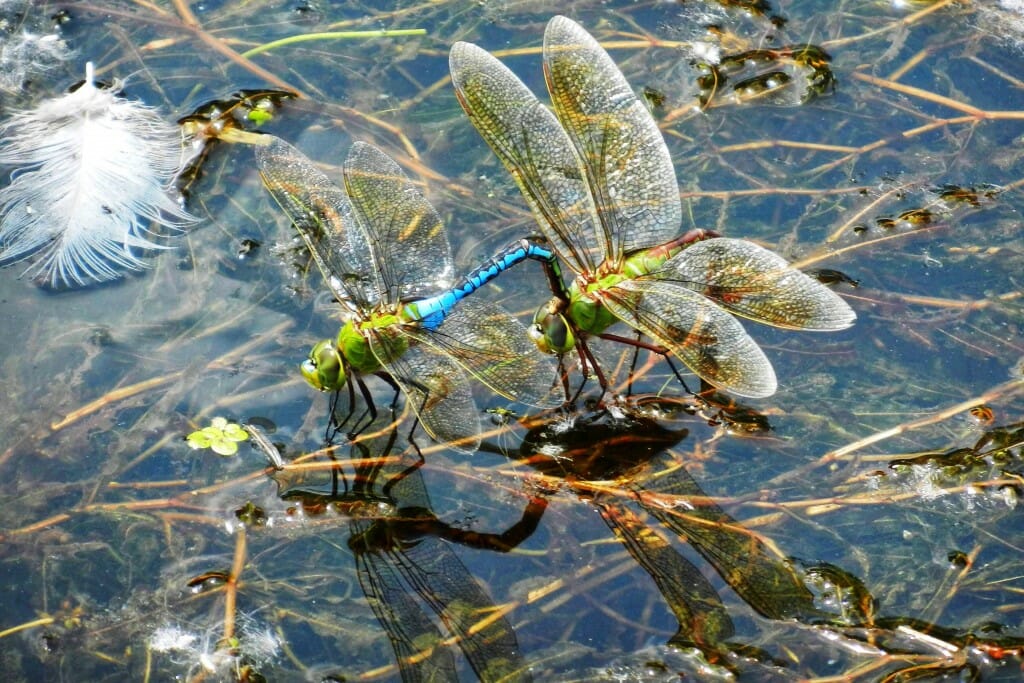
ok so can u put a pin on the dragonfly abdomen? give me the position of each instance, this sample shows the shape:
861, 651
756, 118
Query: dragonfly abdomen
432, 311
646, 261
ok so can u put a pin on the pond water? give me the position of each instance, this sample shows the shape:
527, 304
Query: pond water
859, 523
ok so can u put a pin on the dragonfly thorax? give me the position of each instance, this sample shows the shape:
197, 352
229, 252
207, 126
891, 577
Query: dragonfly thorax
587, 311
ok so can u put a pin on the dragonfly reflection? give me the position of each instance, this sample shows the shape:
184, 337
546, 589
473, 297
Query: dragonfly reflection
599, 180
404, 561
633, 453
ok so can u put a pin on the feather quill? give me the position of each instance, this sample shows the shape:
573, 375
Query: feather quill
93, 171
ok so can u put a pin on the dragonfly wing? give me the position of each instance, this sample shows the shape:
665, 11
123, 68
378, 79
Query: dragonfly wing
534, 148
493, 346
324, 218
757, 284
485, 636
435, 387
703, 619
766, 581
408, 242
414, 637
628, 165
710, 341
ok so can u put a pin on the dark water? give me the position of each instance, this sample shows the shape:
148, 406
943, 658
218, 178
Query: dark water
646, 547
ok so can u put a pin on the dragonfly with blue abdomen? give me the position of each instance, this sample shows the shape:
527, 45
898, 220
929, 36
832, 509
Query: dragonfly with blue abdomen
384, 254
600, 182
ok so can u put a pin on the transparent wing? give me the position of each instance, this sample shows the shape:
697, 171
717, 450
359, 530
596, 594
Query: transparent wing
485, 637
414, 637
703, 619
490, 344
627, 162
710, 341
535, 149
408, 242
763, 579
435, 386
324, 218
757, 284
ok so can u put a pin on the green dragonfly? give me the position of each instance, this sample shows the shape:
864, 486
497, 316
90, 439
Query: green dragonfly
601, 184
384, 254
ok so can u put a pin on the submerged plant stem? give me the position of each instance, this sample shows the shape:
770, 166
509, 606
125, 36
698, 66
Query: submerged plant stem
333, 35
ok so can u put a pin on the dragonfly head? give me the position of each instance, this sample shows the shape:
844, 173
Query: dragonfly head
550, 331
324, 369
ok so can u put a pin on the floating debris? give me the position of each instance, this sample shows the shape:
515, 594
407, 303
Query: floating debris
91, 173
262, 443
986, 473
787, 76
831, 277
225, 120
30, 45
954, 195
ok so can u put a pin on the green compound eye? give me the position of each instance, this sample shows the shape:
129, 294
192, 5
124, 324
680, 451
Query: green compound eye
324, 369
551, 332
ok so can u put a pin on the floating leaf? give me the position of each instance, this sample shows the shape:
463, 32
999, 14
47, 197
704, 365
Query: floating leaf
221, 437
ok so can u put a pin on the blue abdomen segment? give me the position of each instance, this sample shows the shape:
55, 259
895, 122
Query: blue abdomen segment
432, 311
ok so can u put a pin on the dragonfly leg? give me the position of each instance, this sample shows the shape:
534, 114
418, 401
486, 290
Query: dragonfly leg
632, 365
370, 411
654, 348
336, 473
675, 371
563, 375
333, 425
587, 358
394, 385
416, 421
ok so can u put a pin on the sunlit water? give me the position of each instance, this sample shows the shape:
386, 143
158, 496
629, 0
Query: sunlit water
103, 384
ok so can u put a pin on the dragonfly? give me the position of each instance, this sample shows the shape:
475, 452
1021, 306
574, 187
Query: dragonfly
384, 254
601, 185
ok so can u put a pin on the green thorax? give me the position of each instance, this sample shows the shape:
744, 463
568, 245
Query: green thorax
587, 311
354, 346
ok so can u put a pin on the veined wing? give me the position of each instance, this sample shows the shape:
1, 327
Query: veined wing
757, 284
628, 165
408, 243
535, 149
434, 385
490, 344
324, 218
484, 636
413, 635
703, 620
711, 342
762, 578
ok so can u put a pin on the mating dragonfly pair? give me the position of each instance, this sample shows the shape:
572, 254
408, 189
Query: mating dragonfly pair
599, 179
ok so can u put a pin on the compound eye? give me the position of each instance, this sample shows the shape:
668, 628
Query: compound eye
551, 332
324, 369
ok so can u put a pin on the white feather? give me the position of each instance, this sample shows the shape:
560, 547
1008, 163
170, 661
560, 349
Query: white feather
93, 169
